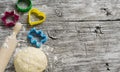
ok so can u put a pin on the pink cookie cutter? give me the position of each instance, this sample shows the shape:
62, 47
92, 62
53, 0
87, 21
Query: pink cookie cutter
10, 14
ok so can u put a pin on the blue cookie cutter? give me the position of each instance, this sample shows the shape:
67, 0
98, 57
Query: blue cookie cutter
33, 33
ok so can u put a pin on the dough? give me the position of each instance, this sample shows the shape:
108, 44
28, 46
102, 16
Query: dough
30, 60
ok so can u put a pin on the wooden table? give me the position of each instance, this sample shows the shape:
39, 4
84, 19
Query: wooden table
84, 34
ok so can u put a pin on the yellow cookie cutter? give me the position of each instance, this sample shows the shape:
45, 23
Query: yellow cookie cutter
38, 13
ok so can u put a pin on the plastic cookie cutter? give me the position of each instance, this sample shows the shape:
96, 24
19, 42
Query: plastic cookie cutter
14, 17
39, 14
27, 2
41, 37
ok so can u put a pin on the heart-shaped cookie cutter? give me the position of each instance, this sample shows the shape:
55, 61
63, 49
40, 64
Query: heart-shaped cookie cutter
36, 33
38, 13
10, 14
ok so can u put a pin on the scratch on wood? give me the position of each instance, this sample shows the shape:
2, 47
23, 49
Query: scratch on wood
78, 35
85, 49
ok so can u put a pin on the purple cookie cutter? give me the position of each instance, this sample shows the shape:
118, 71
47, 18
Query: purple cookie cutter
10, 14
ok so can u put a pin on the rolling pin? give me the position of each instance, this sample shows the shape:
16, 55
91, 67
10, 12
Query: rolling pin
8, 47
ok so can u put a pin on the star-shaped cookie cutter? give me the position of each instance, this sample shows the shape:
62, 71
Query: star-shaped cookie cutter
10, 14
33, 33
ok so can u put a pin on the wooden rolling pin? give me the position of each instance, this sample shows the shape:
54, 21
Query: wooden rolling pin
8, 47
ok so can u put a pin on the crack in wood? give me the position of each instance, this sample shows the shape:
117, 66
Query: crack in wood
106, 20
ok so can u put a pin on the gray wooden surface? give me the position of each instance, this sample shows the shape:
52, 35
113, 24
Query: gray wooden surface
84, 34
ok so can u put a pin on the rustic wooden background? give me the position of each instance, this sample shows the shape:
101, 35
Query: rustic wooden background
83, 34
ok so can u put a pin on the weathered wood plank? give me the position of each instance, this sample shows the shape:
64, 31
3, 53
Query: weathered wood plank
83, 33
58, 10
80, 46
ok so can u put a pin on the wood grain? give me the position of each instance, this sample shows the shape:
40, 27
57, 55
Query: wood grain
84, 34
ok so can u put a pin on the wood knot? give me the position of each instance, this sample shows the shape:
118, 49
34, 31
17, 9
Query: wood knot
58, 13
98, 30
107, 11
107, 65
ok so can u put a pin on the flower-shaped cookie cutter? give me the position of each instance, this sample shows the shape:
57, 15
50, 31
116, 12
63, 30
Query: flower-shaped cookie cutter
33, 33
7, 15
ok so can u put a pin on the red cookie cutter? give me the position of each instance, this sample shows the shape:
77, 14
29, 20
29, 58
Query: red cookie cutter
10, 14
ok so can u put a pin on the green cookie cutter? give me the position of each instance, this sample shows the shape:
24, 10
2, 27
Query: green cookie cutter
24, 9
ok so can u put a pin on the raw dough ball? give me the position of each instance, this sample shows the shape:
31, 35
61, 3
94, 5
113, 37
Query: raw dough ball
30, 60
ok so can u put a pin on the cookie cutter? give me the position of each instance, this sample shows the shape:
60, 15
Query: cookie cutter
10, 14
36, 33
24, 9
39, 14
